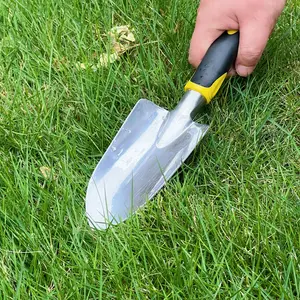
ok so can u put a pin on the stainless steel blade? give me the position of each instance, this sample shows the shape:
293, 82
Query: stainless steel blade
148, 149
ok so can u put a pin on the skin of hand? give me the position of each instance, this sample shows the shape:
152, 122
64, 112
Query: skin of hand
255, 20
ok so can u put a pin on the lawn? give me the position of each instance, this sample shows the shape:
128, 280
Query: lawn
225, 226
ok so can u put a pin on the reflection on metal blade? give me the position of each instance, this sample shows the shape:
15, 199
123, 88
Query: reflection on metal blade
148, 149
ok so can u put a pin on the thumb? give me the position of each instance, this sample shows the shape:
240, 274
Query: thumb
253, 40
212, 20
208, 28
202, 38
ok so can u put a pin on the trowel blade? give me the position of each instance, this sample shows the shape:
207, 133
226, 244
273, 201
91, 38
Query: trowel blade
138, 163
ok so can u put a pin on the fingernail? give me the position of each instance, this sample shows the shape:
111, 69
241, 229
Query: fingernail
243, 70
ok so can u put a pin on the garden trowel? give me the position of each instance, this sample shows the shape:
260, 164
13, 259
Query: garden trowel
153, 142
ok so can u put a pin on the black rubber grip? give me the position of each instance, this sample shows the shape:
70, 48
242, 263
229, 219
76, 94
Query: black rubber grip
218, 59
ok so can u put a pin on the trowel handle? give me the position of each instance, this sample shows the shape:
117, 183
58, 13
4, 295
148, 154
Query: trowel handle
215, 65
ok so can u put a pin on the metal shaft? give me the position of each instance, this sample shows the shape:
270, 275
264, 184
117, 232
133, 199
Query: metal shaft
179, 119
190, 104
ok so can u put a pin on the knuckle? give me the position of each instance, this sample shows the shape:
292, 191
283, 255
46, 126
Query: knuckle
250, 56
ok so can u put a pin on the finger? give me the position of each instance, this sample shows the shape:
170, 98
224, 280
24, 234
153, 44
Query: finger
212, 20
253, 40
201, 40
205, 33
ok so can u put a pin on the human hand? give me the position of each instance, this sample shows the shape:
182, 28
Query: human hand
255, 20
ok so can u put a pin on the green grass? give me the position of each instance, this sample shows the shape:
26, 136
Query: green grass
227, 224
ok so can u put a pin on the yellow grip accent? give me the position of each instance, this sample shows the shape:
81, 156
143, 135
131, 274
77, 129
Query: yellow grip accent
207, 92
231, 32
